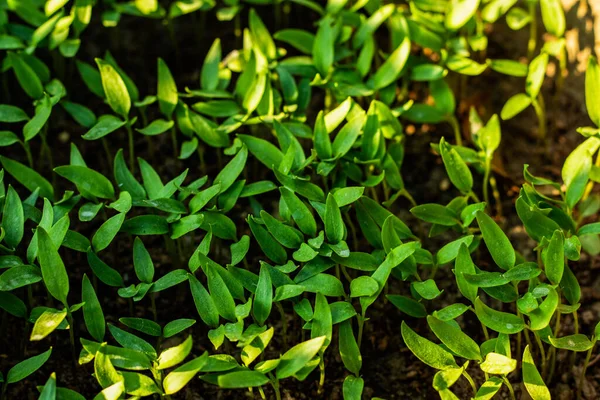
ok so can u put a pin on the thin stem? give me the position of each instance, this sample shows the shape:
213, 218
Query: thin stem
486, 181
532, 44
361, 323
456, 128
542, 352
471, 382
27, 149
262, 393
275, 384
510, 388
174, 141
496, 194
590, 184
131, 149
153, 304
540, 112
322, 374
109, 158
283, 325
585, 365
71, 333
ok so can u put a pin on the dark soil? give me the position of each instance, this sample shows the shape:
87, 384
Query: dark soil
390, 371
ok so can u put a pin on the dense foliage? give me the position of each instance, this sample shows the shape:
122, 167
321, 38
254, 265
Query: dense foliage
282, 206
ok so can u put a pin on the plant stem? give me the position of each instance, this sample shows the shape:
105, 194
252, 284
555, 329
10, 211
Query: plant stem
585, 365
275, 384
510, 388
27, 149
496, 194
174, 141
486, 181
322, 374
542, 352
283, 324
540, 111
131, 149
456, 128
71, 333
471, 382
109, 158
532, 44
262, 393
361, 323
153, 305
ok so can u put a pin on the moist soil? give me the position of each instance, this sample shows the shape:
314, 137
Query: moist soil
389, 369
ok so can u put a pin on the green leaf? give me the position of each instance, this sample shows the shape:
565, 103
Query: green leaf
508, 67
498, 364
13, 219
347, 136
393, 66
459, 13
80, 113
177, 326
174, 355
426, 351
267, 243
298, 356
27, 177
436, 214
125, 179
300, 212
297, 38
322, 323
515, 105
87, 180
457, 169
49, 390
322, 142
205, 304
457, 341
577, 342
363, 286
334, 224
156, 127
142, 262
264, 151
263, 297
592, 88
497, 320
220, 294
28, 79
46, 323
11, 114
349, 351
532, 379
323, 47
353, 388
53, 269
146, 225
209, 76
535, 76
228, 175
554, 261
166, 90
114, 87
35, 124
408, 305
242, 379
178, 378
92, 311
576, 169
25, 368
553, 17
143, 325
107, 232
261, 36
496, 241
